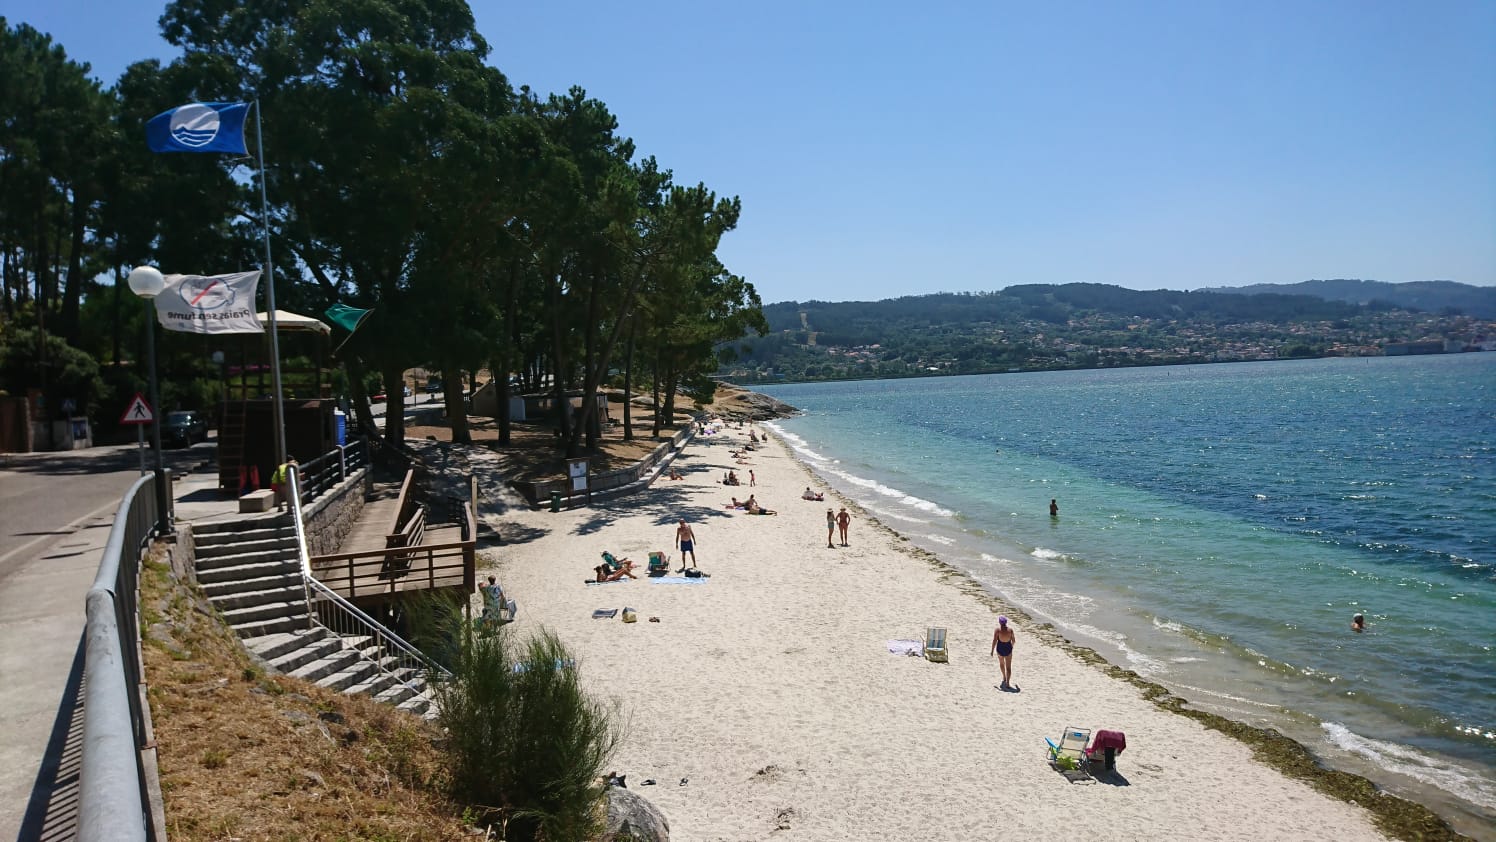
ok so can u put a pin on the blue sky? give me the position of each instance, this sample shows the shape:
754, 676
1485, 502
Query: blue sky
886, 149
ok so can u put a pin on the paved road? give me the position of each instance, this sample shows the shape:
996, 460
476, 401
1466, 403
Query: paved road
56, 510
41, 494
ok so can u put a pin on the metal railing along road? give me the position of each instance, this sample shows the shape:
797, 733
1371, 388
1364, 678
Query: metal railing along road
118, 764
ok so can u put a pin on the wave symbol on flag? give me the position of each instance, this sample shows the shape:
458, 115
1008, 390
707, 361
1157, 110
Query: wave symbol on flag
194, 125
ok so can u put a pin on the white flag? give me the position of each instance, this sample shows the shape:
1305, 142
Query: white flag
210, 303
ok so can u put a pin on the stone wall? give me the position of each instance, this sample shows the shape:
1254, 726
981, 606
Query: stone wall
330, 518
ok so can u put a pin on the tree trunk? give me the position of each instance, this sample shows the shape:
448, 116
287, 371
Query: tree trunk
355, 371
456, 405
628, 384
73, 293
561, 407
394, 404
654, 391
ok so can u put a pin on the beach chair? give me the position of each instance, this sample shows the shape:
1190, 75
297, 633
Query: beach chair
659, 564
935, 644
1070, 751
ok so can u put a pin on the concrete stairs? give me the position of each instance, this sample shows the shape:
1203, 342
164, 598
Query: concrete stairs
250, 571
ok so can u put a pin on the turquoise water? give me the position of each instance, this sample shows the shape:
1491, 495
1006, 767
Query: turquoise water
1219, 525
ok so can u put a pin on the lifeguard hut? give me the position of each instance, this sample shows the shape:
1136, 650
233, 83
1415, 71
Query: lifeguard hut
246, 418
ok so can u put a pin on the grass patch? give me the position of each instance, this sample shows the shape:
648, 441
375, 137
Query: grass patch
248, 755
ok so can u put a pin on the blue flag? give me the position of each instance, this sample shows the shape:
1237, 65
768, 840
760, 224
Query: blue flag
199, 127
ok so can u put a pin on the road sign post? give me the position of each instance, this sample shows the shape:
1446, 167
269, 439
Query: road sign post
139, 414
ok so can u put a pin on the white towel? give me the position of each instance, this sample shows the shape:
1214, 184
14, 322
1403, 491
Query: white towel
906, 647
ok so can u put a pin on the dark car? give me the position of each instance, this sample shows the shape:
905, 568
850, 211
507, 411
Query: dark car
182, 429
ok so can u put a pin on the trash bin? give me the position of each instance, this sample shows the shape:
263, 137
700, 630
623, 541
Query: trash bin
339, 427
555, 501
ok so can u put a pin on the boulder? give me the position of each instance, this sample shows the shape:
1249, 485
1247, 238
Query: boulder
633, 819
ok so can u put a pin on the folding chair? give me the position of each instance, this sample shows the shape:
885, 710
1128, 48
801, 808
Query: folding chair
1070, 751
935, 644
659, 564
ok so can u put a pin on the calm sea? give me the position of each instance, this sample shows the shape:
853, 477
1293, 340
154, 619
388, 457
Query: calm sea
1219, 525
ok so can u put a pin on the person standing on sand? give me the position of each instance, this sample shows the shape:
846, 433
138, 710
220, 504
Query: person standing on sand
830, 527
1054, 508
1002, 646
685, 541
842, 521
752, 480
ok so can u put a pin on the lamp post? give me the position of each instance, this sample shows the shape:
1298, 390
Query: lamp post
147, 282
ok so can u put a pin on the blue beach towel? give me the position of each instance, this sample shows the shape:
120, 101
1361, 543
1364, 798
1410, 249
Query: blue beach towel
679, 580
525, 666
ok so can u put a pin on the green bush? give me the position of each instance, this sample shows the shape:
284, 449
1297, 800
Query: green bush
529, 744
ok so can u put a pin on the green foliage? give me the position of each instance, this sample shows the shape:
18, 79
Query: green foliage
33, 358
528, 743
1071, 326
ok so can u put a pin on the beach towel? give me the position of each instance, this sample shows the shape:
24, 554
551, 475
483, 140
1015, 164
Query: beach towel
679, 580
907, 647
605, 613
607, 581
525, 666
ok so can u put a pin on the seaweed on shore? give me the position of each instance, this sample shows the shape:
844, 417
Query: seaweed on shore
1396, 816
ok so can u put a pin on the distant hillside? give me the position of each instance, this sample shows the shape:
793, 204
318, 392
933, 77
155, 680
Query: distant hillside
1428, 296
1037, 326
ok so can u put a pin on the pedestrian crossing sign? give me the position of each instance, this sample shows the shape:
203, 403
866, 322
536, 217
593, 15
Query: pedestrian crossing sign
138, 412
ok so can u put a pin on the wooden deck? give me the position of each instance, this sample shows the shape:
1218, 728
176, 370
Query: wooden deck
372, 528
380, 557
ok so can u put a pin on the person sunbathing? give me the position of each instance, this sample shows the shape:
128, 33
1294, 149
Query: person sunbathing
733, 505
755, 509
811, 495
607, 572
674, 474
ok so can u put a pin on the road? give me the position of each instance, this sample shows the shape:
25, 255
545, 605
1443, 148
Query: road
41, 494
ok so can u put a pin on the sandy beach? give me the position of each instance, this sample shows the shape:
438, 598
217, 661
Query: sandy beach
765, 702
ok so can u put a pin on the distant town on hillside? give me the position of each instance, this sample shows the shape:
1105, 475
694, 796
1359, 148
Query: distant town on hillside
1045, 327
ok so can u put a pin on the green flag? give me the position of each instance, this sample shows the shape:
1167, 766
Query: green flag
348, 318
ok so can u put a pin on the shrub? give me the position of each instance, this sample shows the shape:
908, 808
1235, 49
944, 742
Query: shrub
528, 744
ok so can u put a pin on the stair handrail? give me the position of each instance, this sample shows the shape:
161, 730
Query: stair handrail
356, 620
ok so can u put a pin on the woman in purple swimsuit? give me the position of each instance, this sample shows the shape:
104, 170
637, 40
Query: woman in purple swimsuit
1002, 646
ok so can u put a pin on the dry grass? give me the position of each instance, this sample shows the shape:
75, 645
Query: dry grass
245, 755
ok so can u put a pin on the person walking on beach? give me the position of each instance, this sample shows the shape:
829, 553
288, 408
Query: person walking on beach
1002, 646
1054, 508
830, 527
685, 540
842, 521
752, 480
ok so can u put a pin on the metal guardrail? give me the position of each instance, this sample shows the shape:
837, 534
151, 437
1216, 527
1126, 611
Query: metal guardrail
320, 475
393, 656
117, 776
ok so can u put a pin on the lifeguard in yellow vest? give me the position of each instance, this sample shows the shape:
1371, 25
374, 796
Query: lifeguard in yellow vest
278, 481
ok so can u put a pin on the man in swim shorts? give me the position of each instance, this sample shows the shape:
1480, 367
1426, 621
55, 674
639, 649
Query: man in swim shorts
1002, 646
685, 539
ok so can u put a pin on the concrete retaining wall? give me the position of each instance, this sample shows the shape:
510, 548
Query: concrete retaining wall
330, 517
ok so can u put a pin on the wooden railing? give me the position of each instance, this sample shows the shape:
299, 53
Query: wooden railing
406, 563
373, 572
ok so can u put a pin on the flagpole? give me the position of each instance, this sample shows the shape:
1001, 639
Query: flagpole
275, 365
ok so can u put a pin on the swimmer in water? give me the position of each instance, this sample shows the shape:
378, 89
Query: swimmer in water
1358, 623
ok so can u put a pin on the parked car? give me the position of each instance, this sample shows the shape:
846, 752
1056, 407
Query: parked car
183, 429
433, 386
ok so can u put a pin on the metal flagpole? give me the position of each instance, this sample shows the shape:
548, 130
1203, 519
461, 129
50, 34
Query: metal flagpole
275, 363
